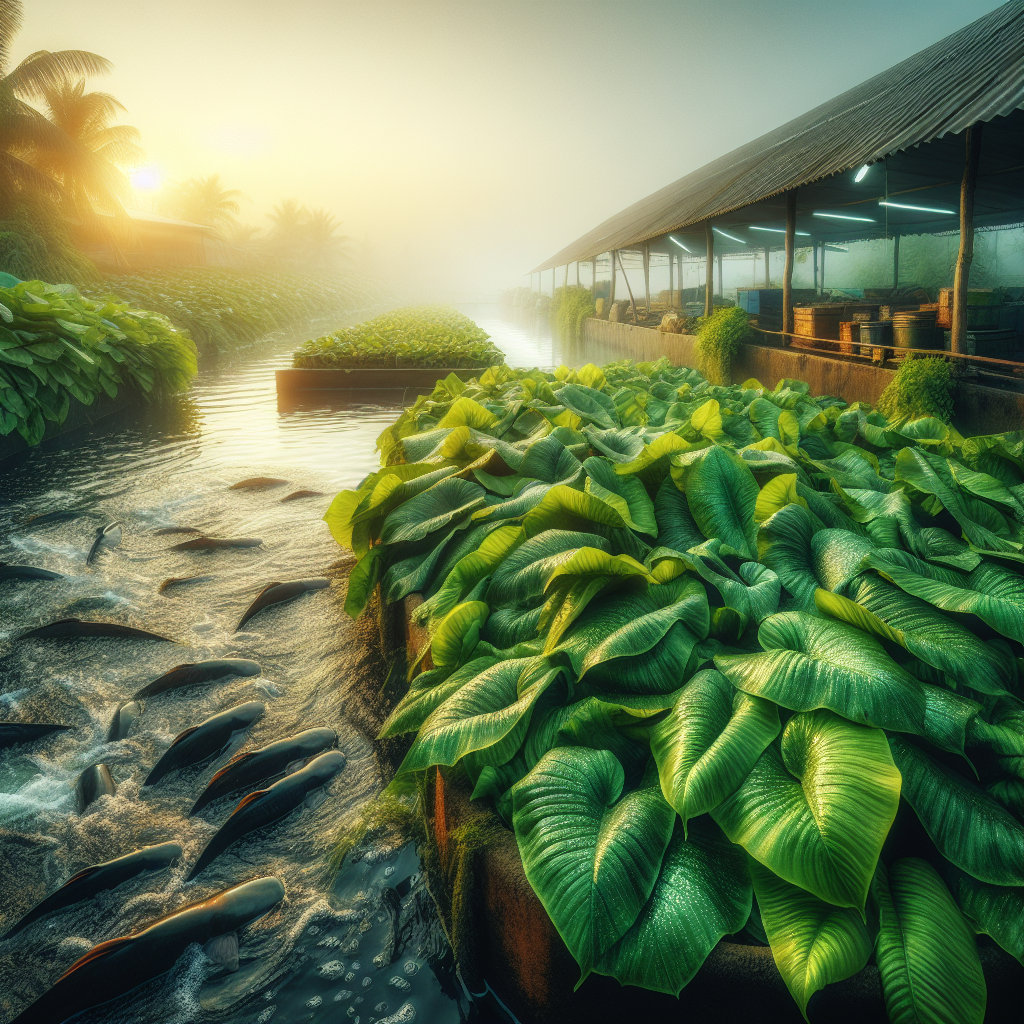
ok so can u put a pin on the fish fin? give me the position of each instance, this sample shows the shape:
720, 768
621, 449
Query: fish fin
315, 799
294, 766
251, 798
223, 951
236, 760
183, 736
84, 873
96, 953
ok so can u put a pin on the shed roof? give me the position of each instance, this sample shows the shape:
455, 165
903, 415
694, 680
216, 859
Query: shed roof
975, 74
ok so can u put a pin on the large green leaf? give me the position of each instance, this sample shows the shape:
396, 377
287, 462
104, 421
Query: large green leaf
811, 662
996, 910
926, 954
428, 691
968, 827
702, 894
709, 742
813, 942
676, 528
722, 494
818, 812
591, 857
450, 499
562, 508
754, 592
549, 460
457, 633
626, 494
590, 405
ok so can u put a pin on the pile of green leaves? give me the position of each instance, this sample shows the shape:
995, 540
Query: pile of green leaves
718, 338
56, 345
569, 308
227, 309
923, 386
428, 336
727, 659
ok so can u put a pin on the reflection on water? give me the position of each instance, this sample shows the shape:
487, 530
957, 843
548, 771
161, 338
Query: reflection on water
319, 956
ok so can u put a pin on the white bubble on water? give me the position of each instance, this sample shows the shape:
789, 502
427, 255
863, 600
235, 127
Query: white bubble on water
403, 1015
400, 983
332, 969
266, 1015
410, 967
367, 981
314, 1002
343, 995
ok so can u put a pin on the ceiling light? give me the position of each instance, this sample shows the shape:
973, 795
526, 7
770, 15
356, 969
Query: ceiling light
732, 238
919, 209
844, 216
680, 244
778, 231
860, 174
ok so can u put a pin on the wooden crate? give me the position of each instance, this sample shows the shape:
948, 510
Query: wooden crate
816, 322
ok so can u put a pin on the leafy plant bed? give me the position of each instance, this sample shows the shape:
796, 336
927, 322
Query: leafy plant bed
730, 662
422, 381
424, 336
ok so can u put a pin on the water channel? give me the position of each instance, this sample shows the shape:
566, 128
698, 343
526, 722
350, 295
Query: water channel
312, 958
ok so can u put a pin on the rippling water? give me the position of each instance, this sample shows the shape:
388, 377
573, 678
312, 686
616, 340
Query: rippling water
312, 958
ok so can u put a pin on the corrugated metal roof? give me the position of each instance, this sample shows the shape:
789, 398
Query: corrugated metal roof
973, 75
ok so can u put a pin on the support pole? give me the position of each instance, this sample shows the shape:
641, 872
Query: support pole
671, 268
895, 262
593, 278
767, 267
962, 278
787, 274
577, 273
721, 286
565, 282
632, 301
823, 248
552, 282
647, 277
611, 290
815, 255
709, 270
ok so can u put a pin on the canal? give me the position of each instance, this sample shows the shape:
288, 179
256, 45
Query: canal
312, 958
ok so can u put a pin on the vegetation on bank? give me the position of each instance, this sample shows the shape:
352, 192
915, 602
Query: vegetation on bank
719, 336
57, 345
923, 386
227, 309
417, 336
569, 308
726, 659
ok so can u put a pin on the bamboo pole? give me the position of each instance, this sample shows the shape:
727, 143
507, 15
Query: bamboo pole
577, 273
565, 280
593, 277
552, 282
961, 281
647, 277
611, 291
815, 255
721, 284
671, 269
787, 274
632, 301
709, 270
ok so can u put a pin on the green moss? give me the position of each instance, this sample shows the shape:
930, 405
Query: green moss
923, 386
569, 308
718, 338
393, 817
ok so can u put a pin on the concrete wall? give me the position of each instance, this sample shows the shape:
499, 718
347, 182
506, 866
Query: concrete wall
979, 410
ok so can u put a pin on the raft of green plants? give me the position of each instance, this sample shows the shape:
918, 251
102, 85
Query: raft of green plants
56, 345
728, 659
417, 336
226, 309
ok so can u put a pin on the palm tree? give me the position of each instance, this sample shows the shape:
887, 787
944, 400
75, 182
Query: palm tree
323, 243
25, 133
288, 219
203, 201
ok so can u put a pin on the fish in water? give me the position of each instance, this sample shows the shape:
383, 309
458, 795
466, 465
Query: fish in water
124, 718
26, 572
114, 968
252, 767
64, 629
266, 806
295, 495
61, 516
205, 740
198, 672
108, 875
209, 543
276, 592
94, 782
108, 536
255, 482
12, 733
176, 581
170, 531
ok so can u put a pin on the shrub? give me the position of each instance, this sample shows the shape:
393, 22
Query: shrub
923, 386
569, 308
718, 338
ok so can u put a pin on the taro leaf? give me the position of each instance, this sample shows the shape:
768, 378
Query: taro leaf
651, 463
1003, 737
776, 494
986, 487
926, 954
520, 578
992, 592
622, 444
590, 405
563, 508
450, 499
361, 581
591, 857
967, 826
722, 494
809, 662
709, 742
754, 592
996, 910
887, 612
550, 461
457, 633
487, 713
817, 814
814, 943
784, 541
702, 894
620, 635
676, 528
625, 494
466, 412
516, 507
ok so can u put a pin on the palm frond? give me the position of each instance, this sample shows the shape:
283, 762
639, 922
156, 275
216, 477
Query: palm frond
49, 69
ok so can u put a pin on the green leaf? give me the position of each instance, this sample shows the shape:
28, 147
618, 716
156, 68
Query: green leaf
702, 894
676, 528
967, 826
818, 813
709, 742
562, 508
775, 495
755, 592
814, 943
996, 910
428, 691
819, 663
926, 954
550, 461
590, 405
591, 857
457, 634
626, 494
464, 412
449, 499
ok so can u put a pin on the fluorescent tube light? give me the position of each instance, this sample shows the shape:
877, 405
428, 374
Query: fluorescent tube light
732, 238
680, 244
778, 231
919, 209
843, 216
860, 174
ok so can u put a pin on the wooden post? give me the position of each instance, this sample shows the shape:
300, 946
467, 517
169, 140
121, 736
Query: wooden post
787, 273
565, 281
815, 255
671, 268
895, 262
577, 273
962, 278
611, 289
632, 301
709, 270
593, 277
767, 267
647, 277
552, 282
721, 286
823, 248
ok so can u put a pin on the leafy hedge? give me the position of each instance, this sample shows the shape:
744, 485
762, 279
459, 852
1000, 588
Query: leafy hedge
428, 336
569, 308
707, 649
227, 309
923, 386
56, 345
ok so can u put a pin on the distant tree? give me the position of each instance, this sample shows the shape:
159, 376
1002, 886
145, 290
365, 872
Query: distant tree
323, 244
202, 201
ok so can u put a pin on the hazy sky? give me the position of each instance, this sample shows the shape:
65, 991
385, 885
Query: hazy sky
470, 141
